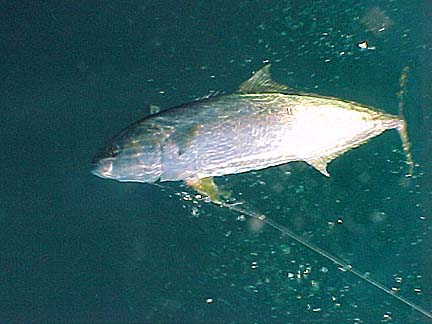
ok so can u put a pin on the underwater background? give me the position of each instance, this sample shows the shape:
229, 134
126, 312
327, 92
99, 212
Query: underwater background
76, 248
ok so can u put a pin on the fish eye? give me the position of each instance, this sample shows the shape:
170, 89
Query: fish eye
113, 150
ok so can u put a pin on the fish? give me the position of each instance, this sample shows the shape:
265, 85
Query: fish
263, 124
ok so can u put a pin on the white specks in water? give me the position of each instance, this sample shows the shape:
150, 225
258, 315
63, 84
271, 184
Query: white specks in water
377, 216
376, 20
387, 317
365, 46
286, 249
254, 265
302, 274
395, 289
315, 285
186, 196
313, 309
419, 240
344, 269
307, 271
299, 189
241, 218
195, 211
251, 288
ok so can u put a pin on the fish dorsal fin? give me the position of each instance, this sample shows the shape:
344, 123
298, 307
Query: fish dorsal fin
261, 82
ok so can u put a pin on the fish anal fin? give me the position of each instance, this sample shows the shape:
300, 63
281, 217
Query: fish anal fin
320, 164
208, 187
261, 82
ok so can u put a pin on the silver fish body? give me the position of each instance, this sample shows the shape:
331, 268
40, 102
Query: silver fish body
263, 125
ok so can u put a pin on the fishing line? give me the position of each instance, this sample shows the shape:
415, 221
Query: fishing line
344, 265
240, 207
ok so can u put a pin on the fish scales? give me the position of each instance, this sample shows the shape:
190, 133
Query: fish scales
265, 130
264, 124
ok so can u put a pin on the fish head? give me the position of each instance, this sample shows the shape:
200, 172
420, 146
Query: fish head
103, 162
134, 155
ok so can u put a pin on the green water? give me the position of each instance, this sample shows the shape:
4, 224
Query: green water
76, 248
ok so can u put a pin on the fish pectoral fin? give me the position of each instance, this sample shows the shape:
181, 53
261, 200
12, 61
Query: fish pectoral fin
208, 187
320, 164
261, 82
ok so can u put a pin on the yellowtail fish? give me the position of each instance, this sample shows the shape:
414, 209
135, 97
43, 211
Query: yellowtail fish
261, 125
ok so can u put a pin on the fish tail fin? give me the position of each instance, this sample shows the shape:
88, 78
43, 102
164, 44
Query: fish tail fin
402, 128
406, 145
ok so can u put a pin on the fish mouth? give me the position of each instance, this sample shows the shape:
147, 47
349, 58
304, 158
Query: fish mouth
103, 168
